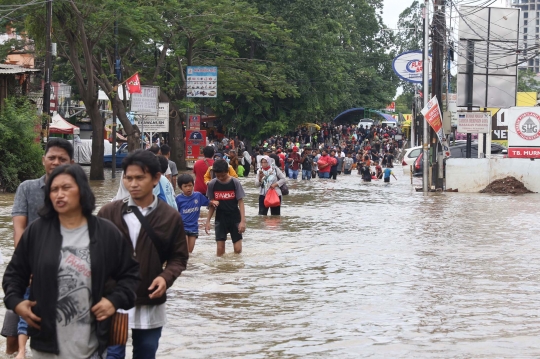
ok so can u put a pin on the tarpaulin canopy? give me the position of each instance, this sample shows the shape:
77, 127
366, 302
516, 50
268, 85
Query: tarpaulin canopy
354, 114
61, 126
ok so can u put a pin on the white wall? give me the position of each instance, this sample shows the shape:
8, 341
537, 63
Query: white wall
475, 174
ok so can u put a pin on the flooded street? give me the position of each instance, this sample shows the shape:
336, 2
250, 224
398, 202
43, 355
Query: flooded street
358, 270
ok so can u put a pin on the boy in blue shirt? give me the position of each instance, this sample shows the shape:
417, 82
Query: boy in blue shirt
189, 205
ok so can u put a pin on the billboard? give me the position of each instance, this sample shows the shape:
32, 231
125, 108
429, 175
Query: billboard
201, 81
493, 34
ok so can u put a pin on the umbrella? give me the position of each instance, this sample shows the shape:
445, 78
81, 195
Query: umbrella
317, 127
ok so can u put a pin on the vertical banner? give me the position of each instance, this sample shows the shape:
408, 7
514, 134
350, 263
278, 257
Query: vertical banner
433, 116
195, 143
195, 122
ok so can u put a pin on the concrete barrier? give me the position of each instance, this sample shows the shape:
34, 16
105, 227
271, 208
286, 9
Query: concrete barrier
475, 174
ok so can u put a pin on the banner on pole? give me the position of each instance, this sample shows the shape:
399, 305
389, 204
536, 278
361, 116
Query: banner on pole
195, 143
433, 116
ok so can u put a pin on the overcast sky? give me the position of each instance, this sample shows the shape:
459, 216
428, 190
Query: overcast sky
392, 9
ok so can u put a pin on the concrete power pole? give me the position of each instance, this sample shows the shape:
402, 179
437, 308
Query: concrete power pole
438, 48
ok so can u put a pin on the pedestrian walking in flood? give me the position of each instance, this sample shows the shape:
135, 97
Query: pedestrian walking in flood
230, 210
70, 255
29, 199
269, 177
307, 164
294, 163
155, 232
387, 173
189, 205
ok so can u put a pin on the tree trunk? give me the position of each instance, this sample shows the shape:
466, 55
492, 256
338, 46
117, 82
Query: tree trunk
98, 124
176, 133
133, 132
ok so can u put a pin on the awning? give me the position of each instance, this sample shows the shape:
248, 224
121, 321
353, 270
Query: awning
60, 126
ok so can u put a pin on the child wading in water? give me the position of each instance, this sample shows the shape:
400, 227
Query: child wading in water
189, 205
230, 211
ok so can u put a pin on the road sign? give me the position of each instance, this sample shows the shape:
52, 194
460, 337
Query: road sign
474, 122
146, 102
202, 81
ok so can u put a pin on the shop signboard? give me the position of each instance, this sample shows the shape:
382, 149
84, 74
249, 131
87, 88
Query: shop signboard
195, 143
524, 132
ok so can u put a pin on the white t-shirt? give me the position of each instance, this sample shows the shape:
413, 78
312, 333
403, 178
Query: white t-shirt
75, 324
143, 316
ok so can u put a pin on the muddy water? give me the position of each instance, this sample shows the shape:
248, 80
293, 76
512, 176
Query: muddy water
360, 270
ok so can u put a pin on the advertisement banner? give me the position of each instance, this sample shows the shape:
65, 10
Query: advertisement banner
391, 107
409, 66
202, 81
194, 122
195, 143
433, 116
524, 132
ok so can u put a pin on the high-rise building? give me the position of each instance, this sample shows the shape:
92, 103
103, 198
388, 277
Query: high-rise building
529, 32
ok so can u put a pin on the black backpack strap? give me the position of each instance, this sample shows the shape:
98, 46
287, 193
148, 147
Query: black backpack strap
160, 246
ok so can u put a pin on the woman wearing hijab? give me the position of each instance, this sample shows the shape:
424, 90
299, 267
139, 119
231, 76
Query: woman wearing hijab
269, 177
71, 255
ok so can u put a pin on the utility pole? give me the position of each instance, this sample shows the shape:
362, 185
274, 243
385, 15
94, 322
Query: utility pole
48, 68
438, 39
425, 73
470, 70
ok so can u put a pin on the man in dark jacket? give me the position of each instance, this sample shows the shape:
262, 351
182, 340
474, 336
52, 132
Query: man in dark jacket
156, 232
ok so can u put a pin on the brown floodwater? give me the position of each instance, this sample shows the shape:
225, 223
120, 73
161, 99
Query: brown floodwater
358, 270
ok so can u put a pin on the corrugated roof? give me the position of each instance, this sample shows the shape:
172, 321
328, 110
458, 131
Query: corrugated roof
7, 69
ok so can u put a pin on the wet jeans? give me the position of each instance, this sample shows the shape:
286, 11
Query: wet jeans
293, 173
306, 174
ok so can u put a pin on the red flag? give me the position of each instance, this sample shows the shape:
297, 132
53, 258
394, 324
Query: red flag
420, 93
134, 84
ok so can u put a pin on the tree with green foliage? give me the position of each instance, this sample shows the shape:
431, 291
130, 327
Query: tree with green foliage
20, 151
409, 38
528, 81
